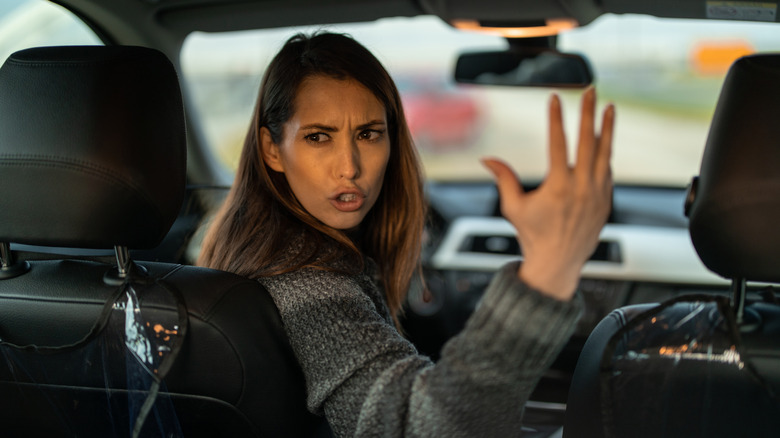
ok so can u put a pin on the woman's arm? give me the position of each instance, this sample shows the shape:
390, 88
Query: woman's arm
370, 382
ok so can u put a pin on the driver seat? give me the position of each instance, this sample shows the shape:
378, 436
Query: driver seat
93, 162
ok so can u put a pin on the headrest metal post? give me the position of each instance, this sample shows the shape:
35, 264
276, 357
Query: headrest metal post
123, 261
125, 270
738, 299
9, 268
5, 255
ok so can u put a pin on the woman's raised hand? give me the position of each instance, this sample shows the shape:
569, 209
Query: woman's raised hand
559, 223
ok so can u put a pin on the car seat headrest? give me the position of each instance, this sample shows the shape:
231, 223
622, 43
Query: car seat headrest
92, 147
734, 204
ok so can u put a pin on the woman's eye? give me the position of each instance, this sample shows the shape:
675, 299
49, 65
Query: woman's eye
370, 134
316, 137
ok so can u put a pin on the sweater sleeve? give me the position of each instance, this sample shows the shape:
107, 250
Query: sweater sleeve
369, 381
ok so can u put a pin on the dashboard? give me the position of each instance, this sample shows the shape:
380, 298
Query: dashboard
644, 255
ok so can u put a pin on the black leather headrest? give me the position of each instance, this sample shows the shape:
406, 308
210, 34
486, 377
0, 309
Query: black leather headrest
92, 147
734, 208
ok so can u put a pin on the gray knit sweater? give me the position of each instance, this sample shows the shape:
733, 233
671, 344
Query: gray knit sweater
369, 381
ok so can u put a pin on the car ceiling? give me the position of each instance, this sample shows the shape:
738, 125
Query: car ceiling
162, 22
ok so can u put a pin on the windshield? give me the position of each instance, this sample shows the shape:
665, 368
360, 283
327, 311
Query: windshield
664, 75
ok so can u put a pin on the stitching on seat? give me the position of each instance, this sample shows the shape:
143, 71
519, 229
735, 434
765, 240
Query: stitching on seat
109, 60
103, 173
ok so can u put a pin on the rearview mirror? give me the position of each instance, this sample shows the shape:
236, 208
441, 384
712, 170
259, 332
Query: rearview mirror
524, 68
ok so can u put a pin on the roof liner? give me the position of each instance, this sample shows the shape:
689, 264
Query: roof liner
219, 16
180, 17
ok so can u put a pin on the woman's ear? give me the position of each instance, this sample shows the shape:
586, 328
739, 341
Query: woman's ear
271, 154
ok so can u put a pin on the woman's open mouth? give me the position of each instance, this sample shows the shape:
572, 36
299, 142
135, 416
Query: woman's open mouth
348, 201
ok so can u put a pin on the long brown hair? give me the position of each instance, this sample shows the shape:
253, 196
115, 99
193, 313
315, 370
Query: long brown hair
250, 234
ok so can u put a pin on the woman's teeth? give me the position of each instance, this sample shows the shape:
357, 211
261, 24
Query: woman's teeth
347, 197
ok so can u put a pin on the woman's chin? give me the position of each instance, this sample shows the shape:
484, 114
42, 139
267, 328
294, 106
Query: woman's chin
346, 224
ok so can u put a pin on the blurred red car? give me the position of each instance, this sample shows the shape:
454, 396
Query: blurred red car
440, 117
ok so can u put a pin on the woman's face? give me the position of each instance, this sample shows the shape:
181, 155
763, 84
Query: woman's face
334, 150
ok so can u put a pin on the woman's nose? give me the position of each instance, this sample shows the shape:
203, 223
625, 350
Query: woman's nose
348, 161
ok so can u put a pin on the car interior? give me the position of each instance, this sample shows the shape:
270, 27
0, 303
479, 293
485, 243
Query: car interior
113, 117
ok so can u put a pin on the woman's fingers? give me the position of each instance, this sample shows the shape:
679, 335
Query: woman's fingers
602, 168
586, 148
593, 151
509, 188
559, 160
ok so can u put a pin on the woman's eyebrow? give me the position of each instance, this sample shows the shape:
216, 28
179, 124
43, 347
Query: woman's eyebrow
319, 127
328, 128
371, 124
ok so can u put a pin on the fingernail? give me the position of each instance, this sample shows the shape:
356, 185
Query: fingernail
488, 163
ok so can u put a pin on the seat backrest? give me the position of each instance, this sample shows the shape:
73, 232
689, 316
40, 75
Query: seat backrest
93, 156
704, 365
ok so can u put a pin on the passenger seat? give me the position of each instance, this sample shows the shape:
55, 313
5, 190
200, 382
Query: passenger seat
93, 157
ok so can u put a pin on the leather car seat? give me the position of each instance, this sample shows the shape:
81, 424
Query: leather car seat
93, 157
706, 365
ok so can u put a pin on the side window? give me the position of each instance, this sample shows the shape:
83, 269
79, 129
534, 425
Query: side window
32, 23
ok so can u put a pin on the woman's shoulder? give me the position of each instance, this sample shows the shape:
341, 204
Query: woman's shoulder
324, 286
312, 279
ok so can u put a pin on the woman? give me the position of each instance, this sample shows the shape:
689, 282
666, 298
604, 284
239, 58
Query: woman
327, 213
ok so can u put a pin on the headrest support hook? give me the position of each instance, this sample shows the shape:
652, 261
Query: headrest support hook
125, 269
8, 267
123, 260
747, 320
